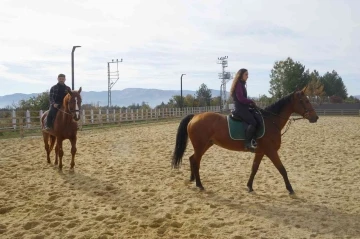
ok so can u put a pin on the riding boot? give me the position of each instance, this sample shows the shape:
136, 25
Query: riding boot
250, 142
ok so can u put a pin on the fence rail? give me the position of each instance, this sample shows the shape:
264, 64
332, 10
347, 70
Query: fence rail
26, 120
20, 121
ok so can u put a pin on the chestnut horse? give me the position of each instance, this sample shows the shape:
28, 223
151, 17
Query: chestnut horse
207, 129
64, 127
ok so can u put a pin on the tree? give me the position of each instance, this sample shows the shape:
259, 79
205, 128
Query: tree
287, 76
215, 101
203, 95
334, 85
315, 89
35, 103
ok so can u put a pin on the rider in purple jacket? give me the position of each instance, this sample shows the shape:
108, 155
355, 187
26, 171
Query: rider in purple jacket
242, 107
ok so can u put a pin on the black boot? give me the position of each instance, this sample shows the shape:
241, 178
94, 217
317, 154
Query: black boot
250, 142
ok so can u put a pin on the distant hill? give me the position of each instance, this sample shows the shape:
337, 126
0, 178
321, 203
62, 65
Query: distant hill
357, 96
125, 97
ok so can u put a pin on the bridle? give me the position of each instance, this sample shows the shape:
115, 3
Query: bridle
304, 115
71, 111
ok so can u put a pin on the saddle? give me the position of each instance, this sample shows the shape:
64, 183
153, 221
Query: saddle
236, 127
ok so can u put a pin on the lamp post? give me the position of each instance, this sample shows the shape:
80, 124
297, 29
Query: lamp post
72, 66
181, 96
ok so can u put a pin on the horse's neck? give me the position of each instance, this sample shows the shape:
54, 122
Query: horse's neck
66, 116
284, 115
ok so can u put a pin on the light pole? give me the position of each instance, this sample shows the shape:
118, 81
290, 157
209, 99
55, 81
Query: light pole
72, 66
181, 96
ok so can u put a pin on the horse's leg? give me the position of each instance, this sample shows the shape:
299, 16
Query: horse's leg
255, 167
61, 152
47, 147
56, 152
73, 152
195, 163
192, 175
274, 157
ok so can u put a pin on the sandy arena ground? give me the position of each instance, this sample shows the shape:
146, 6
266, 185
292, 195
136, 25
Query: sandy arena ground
123, 187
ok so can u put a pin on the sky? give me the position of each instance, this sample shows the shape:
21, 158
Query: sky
159, 40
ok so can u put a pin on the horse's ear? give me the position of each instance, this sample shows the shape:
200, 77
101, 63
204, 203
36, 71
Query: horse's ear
304, 90
80, 89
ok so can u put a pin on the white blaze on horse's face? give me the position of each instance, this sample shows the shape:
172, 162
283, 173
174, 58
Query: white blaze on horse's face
77, 108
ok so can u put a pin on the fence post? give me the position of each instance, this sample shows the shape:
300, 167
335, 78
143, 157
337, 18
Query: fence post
137, 114
120, 118
107, 115
100, 117
14, 119
126, 114
142, 114
40, 115
28, 119
21, 127
114, 115
132, 115
83, 117
92, 116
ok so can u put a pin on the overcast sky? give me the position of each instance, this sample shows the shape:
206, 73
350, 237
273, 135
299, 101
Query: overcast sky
160, 40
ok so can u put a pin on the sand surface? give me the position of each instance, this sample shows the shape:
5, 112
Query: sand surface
123, 187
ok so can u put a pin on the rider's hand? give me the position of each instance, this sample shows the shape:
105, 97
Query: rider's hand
56, 105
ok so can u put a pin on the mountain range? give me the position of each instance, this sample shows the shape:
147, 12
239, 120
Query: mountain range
126, 97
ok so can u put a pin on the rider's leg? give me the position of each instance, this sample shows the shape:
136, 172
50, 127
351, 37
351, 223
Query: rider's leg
51, 117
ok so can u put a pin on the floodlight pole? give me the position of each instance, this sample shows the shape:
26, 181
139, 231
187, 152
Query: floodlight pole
181, 94
72, 66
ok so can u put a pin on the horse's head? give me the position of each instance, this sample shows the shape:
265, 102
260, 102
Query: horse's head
74, 104
303, 107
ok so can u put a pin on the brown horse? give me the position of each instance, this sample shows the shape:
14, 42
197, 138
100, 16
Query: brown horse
207, 129
65, 127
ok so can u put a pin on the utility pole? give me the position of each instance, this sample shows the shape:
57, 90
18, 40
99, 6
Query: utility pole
181, 96
114, 75
72, 66
225, 77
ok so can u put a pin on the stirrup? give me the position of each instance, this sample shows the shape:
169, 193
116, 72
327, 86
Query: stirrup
253, 143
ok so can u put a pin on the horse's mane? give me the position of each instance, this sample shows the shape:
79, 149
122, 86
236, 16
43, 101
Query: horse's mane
66, 99
278, 105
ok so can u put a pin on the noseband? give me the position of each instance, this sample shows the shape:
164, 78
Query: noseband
306, 110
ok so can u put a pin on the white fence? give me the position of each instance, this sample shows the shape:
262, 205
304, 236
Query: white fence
32, 120
25, 120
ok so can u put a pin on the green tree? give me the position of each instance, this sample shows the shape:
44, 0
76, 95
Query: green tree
35, 103
203, 95
215, 101
334, 85
287, 76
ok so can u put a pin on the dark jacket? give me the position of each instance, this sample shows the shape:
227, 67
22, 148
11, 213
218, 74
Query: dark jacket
240, 94
58, 92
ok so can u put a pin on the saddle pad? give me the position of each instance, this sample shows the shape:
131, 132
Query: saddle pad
237, 129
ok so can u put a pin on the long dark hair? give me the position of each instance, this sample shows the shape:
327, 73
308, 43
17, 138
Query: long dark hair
237, 77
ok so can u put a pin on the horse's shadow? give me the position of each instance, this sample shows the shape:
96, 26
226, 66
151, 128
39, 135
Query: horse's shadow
298, 213
107, 191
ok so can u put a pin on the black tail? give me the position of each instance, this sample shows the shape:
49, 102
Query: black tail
181, 141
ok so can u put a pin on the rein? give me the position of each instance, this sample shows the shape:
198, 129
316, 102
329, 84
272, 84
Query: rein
288, 123
64, 111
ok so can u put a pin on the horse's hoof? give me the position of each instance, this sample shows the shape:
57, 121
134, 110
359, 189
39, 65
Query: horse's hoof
201, 188
250, 190
291, 192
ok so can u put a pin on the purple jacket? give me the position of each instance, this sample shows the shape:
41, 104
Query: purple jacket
241, 94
